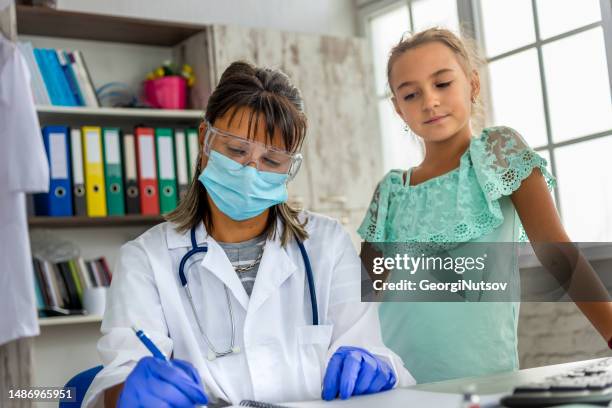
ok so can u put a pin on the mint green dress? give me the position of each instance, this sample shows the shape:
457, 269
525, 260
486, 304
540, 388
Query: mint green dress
471, 203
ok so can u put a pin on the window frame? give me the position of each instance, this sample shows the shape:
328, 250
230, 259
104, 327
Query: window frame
470, 18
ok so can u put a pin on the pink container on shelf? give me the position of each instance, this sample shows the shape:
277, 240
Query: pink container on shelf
166, 93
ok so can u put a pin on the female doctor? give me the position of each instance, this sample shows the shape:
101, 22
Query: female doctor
248, 298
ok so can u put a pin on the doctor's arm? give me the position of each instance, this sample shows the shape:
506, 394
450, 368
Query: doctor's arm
552, 245
360, 362
131, 377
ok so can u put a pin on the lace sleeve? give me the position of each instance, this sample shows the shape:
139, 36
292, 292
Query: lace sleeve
372, 227
502, 160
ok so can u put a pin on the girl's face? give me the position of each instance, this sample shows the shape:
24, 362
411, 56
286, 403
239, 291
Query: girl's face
431, 91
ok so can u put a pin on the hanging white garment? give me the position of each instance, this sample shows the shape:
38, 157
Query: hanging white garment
23, 168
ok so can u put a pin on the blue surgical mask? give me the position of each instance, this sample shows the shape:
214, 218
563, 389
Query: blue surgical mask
241, 192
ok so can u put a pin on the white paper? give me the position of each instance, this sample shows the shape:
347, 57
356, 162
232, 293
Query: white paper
94, 155
57, 151
181, 157
130, 157
61, 57
111, 146
193, 150
166, 158
147, 157
77, 157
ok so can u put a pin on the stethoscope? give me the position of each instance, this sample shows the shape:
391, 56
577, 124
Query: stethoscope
213, 353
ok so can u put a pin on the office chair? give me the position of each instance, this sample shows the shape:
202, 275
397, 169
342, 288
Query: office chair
81, 383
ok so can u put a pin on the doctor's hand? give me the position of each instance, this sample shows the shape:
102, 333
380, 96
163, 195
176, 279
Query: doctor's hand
355, 371
159, 383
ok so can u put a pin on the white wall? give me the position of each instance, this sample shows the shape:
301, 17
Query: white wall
333, 17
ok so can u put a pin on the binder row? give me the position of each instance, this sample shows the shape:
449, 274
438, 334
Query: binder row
60, 286
98, 171
59, 77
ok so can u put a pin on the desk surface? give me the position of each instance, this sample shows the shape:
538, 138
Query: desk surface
503, 382
444, 393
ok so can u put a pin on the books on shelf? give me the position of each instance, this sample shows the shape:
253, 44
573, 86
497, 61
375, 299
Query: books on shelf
100, 171
61, 285
59, 77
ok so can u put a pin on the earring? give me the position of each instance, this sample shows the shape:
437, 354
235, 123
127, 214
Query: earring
406, 128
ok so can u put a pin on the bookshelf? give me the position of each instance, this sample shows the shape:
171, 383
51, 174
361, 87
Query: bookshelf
51, 22
171, 115
116, 49
68, 320
99, 222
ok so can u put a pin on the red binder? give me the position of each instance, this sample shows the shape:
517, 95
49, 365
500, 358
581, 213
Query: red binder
147, 170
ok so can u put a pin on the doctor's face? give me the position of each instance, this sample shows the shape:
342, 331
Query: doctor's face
236, 123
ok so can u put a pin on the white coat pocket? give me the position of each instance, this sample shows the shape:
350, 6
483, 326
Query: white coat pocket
313, 343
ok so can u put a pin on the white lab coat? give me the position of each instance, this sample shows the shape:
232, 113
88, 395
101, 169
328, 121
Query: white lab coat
282, 355
23, 168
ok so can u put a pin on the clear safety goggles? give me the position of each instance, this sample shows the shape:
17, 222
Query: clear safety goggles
246, 151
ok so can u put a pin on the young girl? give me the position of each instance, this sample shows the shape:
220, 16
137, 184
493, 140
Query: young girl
467, 189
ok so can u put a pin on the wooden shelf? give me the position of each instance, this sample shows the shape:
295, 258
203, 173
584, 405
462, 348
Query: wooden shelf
51, 22
65, 320
101, 222
118, 116
122, 112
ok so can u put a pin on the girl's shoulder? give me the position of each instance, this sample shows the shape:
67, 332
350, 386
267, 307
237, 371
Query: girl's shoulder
393, 177
372, 226
500, 140
502, 159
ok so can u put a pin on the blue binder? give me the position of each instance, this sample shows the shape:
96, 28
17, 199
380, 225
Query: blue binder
66, 62
45, 71
58, 201
60, 78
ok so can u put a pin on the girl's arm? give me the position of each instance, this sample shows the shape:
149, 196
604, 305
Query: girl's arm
542, 224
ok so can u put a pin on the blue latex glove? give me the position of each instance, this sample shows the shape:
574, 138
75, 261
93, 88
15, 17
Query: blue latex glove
355, 371
159, 383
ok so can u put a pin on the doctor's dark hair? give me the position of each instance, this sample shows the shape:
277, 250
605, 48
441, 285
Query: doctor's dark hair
268, 95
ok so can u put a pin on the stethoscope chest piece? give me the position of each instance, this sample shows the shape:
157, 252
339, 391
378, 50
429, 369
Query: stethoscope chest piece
212, 356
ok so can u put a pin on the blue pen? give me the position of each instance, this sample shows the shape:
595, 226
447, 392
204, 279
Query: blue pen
149, 344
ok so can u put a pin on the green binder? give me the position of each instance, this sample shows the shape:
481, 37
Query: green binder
166, 169
113, 171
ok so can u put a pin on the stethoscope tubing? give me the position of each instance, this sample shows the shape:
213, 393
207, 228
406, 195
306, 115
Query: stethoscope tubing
183, 278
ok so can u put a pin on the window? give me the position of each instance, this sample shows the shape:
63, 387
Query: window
550, 81
386, 29
547, 75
